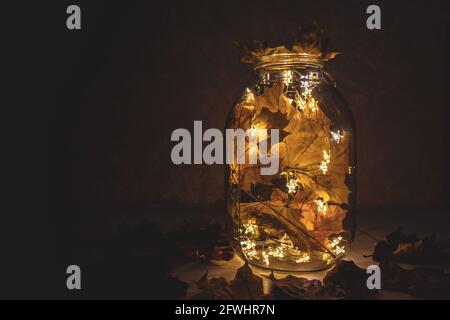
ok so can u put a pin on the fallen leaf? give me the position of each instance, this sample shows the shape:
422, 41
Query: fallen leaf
292, 287
348, 278
245, 286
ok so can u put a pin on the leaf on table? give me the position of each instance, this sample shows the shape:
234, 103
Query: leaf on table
421, 282
245, 286
348, 278
292, 287
410, 249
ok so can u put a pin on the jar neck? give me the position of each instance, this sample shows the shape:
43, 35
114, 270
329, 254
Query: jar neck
290, 74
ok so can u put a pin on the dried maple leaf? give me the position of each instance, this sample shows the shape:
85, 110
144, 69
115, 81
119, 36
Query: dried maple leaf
214, 288
245, 285
309, 40
292, 287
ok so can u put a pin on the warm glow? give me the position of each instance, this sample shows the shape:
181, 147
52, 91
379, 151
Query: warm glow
336, 245
322, 206
336, 136
292, 182
325, 162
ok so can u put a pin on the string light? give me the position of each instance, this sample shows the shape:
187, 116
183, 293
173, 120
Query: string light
249, 248
285, 249
322, 206
336, 245
336, 136
257, 244
292, 182
312, 104
250, 228
305, 257
288, 77
325, 162
299, 102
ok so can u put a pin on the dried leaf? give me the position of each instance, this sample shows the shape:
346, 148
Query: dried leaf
292, 287
245, 285
409, 249
309, 40
347, 277
421, 282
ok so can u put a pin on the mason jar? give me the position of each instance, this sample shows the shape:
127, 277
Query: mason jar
301, 216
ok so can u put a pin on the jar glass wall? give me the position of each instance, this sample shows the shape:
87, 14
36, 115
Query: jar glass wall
300, 218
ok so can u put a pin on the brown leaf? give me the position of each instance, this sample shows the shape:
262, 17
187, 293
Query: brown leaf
292, 287
346, 276
214, 288
421, 282
310, 40
245, 285
409, 249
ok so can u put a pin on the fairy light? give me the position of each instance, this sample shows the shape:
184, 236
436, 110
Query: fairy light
250, 228
265, 258
336, 245
307, 90
292, 182
322, 206
285, 249
303, 258
336, 136
312, 104
288, 77
249, 248
325, 162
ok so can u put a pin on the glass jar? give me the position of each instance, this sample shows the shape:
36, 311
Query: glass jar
302, 217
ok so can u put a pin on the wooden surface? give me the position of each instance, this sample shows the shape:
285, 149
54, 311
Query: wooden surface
377, 222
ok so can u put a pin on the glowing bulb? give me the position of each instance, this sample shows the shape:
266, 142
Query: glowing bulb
322, 206
292, 182
336, 136
325, 162
299, 101
312, 104
336, 245
303, 258
250, 228
288, 77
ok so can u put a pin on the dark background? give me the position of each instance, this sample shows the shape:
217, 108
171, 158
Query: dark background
97, 107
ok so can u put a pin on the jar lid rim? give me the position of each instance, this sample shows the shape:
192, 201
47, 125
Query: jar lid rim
290, 59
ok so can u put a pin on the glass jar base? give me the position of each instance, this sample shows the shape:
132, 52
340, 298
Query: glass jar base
317, 261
